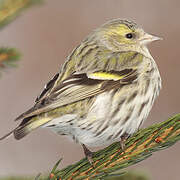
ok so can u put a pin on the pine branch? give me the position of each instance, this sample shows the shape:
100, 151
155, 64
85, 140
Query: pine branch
139, 147
10, 9
8, 58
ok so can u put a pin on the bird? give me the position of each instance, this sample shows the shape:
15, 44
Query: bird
103, 92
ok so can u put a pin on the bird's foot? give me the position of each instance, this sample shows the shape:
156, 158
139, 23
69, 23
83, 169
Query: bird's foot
88, 154
123, 140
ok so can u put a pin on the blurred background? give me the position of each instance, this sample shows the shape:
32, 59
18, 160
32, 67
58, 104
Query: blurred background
45, 35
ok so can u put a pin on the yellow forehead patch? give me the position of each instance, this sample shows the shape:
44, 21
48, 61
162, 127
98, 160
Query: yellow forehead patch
120, 29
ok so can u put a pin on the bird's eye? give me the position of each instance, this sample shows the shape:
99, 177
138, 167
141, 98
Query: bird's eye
129, 36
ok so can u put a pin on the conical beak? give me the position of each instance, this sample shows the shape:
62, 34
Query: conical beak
148, 38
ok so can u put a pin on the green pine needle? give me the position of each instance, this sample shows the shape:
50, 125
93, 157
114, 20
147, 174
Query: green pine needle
8, 58
56, 165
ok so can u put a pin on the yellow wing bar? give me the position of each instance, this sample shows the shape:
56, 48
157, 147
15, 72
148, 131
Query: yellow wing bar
111, 75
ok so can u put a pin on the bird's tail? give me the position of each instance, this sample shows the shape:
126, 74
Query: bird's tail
26, 126
7, 135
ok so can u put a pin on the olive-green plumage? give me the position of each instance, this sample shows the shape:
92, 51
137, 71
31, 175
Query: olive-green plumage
104, 90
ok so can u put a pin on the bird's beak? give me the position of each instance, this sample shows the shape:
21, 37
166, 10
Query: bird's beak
147, 38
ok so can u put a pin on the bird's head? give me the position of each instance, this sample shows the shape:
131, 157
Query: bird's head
123, 34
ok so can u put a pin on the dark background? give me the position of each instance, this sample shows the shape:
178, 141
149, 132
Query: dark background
46, 35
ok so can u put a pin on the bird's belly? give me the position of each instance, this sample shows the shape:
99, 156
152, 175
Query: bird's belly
67, 125
62, 125
111, 116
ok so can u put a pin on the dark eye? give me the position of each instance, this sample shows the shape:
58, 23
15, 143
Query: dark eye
129, 35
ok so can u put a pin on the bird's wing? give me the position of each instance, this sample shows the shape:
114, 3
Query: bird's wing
81, 86
48, 87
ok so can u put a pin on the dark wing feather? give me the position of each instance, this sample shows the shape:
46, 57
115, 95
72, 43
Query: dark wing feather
48, 87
